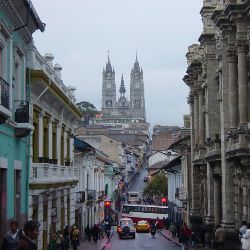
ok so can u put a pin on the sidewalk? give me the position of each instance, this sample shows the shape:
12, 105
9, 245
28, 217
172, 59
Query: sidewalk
168, 235
100, 245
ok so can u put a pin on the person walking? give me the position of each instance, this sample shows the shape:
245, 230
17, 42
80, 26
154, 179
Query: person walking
59, 240
66, 236
186, 236
220, 238
95, 233
245, 241
88, 233
30, 234
242, 229
75, 237
12, 238
173, 230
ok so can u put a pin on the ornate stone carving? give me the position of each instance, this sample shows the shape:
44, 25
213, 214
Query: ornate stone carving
195, 54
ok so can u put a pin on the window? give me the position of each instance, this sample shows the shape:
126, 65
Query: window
3, 201
17, 193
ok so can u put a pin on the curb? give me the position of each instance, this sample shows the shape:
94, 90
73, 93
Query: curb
178, 244
105, 244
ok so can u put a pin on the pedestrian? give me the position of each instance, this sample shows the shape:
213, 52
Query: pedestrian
173, 230
164, 222
11, 239
242, 229
219, 238
95, 233
245, 241
66, 236
30, 234
88, 233
75, 237
59, 240
167, 223
186, 236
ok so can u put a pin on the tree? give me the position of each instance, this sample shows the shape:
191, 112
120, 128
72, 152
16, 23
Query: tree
87, 109
157, 187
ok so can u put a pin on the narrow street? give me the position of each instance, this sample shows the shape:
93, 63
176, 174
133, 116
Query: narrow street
138, 184
142, 241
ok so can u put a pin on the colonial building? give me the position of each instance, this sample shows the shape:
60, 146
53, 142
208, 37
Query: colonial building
53, 175
91, 165
218, 76
15, 35
122, 111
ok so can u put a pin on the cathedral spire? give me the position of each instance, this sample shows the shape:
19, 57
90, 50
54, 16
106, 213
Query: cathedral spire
108, 65
122, 87
136, 59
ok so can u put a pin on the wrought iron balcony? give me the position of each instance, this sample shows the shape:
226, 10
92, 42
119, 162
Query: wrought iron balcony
4, 93
22, 112
80, 197
91, 195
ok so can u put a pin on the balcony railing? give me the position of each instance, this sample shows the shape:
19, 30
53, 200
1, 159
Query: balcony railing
22, 112
91, 195
4, 93
49, 173
80, 197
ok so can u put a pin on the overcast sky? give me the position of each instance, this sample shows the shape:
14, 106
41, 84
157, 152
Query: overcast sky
79, 33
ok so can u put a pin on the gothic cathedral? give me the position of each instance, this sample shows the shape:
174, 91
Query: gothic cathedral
122, 109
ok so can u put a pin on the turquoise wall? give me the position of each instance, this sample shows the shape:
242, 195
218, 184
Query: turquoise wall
12, 148
15, 149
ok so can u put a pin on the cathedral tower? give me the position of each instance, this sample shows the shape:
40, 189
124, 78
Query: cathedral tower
137, 101
108, 90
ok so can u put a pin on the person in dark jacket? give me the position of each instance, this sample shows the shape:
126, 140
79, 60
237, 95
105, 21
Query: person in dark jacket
12, 238
31, 231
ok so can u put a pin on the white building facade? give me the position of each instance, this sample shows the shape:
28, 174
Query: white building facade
91, 187
53, 176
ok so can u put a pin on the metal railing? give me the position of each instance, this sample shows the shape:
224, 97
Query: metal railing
44, 172
22, 112
4, 93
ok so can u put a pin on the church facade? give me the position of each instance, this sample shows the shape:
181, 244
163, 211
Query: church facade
121, 110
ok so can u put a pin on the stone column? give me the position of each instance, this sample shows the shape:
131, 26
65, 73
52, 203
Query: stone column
49, 216
217, 194
196, 118
210, 195
242, 81
195, 209
217, 201
228, 196
65, 134
233, 90
201, 117
40, 134
50, 140
71, 148
58, 209
58, 144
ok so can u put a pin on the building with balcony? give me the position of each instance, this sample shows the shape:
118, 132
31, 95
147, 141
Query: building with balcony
173, 169
15, 127
53, 175
90, 190
218, 78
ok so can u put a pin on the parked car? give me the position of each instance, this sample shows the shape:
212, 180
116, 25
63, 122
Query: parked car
126, 228
145, 179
